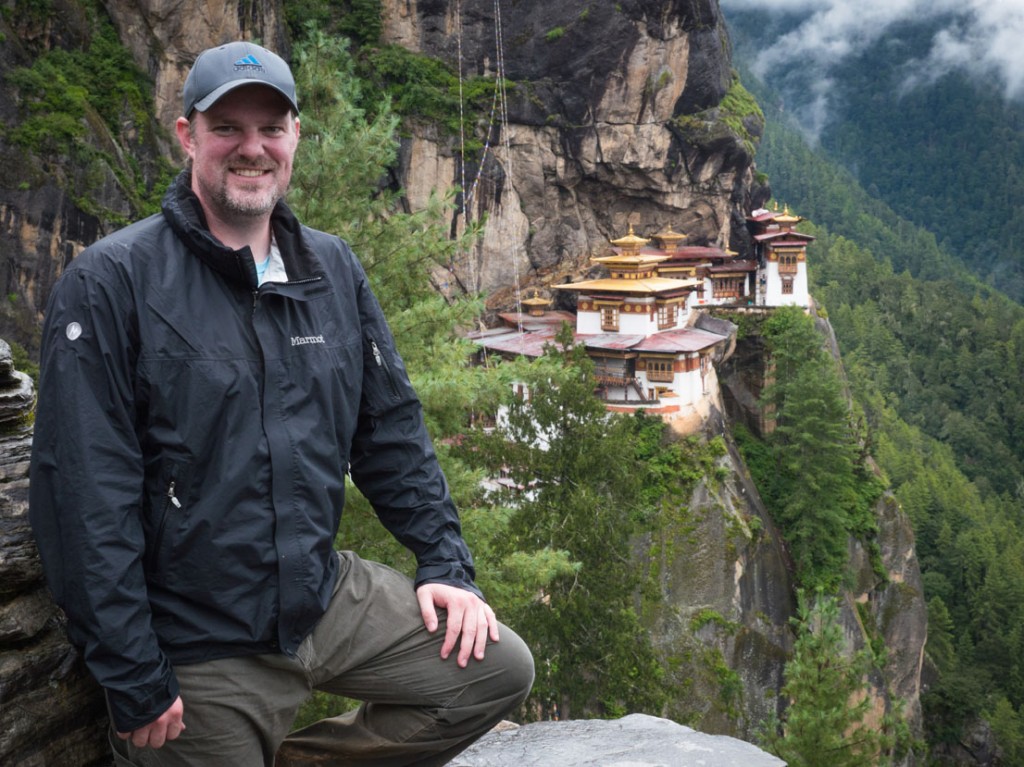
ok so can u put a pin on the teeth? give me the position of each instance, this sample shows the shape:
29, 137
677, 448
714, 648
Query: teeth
251, 172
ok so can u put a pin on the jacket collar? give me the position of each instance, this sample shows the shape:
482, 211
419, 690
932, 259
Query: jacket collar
182, 210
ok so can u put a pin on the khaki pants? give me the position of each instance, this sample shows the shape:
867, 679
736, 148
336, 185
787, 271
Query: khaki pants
370, 645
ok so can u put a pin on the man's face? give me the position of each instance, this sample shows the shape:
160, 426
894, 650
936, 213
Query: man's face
241, 150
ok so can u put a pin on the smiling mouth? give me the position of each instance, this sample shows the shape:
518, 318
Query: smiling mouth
250, 172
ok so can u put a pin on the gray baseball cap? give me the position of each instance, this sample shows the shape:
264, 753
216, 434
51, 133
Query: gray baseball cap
218, 71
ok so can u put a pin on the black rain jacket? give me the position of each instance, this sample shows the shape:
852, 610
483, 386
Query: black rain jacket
192, 438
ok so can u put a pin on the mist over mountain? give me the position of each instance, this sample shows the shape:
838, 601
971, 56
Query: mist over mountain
922, 103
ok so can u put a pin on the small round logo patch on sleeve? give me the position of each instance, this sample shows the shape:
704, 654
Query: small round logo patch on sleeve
73, 331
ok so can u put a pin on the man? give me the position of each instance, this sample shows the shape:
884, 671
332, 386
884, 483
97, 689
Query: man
209, 375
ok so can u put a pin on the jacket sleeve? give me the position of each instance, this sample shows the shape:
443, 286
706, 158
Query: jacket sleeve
86, 493
393, 462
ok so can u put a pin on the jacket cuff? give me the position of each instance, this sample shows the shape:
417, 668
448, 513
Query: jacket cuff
136, 707
451, 574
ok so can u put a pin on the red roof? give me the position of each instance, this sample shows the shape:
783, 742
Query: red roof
680, 341
698, 253
734, 266
676, 341
610, 341
529, 344
557, 317
775, 235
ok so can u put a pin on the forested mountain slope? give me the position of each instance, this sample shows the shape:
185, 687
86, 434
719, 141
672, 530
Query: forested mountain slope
936, 359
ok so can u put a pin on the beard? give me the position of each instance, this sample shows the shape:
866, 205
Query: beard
246, 204
243, 202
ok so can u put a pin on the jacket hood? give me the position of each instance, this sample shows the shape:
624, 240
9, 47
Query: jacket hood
184, 213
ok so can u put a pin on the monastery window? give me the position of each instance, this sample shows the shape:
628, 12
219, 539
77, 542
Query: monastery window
660, 370
788, 262
666, 316
609, 318
787, 286
727, 287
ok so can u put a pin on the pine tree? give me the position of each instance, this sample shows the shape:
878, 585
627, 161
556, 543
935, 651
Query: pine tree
824, 723
577, 486
819, 495
338, 185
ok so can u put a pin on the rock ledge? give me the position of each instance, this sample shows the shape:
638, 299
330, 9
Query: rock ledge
636, 740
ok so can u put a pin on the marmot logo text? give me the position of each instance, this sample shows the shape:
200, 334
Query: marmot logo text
300, 340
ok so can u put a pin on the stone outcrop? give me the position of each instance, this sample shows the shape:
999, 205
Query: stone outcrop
636, 740
51, 712
727, 597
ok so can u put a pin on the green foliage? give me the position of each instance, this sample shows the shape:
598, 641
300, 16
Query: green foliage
741, 112
826, 686
555, 33
707, 617
73, 102
579, 485
22, 361
738, 116
1008, 726
427, 90
809, 470
359, 20
343, 160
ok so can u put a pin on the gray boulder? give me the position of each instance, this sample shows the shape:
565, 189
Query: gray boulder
636, 740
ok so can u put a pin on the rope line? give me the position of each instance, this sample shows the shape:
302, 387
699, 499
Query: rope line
499, 110
507, 145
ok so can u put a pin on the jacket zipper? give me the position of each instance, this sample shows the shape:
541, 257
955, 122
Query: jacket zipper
158, 541
383, 365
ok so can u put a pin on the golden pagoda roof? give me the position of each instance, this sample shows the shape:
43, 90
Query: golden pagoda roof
633, 261
787, 217
536, 300
631, 242
646, 286
668, 237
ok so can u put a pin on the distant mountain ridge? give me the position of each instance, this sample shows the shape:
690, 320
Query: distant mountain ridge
946, 154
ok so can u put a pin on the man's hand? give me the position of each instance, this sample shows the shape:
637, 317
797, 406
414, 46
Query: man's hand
468, 616
167, 726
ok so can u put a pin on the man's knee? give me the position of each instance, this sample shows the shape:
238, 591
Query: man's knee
516, 660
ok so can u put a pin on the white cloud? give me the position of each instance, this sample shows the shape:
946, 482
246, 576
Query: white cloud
983, 37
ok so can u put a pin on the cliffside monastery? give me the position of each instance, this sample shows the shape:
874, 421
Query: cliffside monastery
645, 324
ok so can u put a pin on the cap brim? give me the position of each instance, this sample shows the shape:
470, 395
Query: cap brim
214, 96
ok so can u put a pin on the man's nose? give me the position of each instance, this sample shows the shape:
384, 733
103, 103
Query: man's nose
251, 143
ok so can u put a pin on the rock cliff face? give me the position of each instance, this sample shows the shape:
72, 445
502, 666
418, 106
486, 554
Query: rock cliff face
592, 142
743, 620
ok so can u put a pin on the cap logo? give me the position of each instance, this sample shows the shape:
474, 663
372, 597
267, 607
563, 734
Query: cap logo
250, 62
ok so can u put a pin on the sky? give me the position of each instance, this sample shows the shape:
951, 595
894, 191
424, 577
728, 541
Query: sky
980, 37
